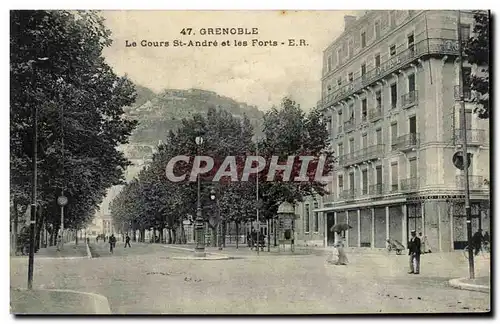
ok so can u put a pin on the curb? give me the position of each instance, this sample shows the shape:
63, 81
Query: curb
457, 283
221, 256
101, 303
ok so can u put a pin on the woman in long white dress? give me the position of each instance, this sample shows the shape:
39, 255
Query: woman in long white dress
342, 257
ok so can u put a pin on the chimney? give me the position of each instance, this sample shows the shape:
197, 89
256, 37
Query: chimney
348, 21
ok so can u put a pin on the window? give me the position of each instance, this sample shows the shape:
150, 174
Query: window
411, 43
316, 219
351, 111
465, 32
351, 145
306, 219
341, 183
394, 176
363, 109
411, 82
413, 168
392, 50
339, 56
363, 69
394, 133
363, 39
364, 141
377, 60
377, 30
378, 96
339, 82
339, 119
329, 88
365, 181
392, 18
378, 134
350, 52
351, 77
466, 76
351, 182
468, 120
394, 95
329, 63
340, 148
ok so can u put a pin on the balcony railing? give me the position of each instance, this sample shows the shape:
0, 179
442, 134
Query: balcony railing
409, 184
366, 154
394, 63
467, 93
328, 198
348, 194
349, 125
475, 182
376, 189
394, 188
375, 114
474, 137
409, 99
406, 142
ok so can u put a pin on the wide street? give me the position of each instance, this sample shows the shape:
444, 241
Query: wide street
146, 279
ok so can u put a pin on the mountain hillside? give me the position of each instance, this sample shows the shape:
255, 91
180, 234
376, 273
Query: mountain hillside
159, 113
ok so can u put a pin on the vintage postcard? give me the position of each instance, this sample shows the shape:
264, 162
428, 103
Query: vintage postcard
250, 162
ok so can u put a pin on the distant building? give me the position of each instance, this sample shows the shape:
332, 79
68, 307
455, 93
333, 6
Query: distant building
390, 94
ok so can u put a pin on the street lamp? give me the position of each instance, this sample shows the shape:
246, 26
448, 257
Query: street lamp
219, 228
34, 179
199, 250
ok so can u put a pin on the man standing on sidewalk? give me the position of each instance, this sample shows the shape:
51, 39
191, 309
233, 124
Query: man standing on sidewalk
414, 252
127, 241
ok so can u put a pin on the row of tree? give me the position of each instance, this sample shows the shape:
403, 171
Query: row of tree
56, 66
151, 201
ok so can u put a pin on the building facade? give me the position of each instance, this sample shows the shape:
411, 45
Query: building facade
390, 97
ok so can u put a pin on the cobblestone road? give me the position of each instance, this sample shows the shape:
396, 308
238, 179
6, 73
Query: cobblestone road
145, 279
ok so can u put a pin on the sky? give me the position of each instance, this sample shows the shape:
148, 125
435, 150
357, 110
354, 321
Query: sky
256, 75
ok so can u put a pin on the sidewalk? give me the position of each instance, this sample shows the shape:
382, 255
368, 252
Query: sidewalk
70, 250
54, 302
482, 284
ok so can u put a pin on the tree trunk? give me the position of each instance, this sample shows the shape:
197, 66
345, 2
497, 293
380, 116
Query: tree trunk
268, 235
134, 234
38, 224
275, 232
161, 234
183, 234
169, 235
237, 234
16, 226
224, 224
174, 236
76, 239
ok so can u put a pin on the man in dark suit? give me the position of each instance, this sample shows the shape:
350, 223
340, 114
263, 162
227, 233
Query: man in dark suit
414, 252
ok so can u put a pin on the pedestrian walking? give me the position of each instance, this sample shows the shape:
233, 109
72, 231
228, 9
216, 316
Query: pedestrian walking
127, 241
414, 248
477, 239
112, 242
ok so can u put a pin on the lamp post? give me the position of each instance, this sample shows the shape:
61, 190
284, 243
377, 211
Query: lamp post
213, 197
199, 250
34, 179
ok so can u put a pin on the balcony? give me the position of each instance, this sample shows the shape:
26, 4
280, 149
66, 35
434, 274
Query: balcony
467, 93
475, 137
394, 188
430, 46
369, 153
339, 129
406, 142
376, 189
348, 194
409, 99
409, 184
349, 125
328, 198
475, 182
375, 114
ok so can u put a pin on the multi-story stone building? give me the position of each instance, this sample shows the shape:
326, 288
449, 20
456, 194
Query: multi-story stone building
390, 96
